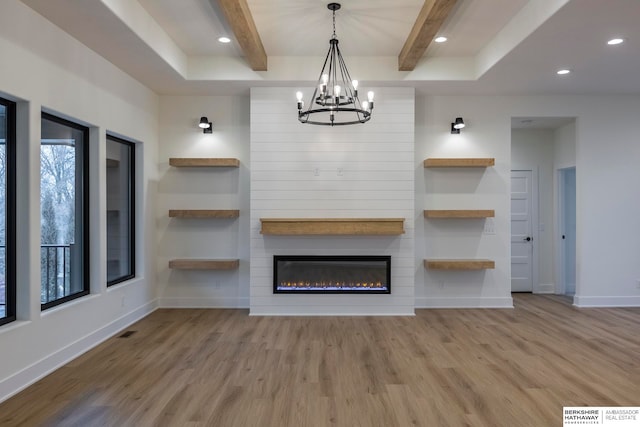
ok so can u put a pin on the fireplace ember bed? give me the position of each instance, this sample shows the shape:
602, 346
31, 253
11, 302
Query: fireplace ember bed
317, 274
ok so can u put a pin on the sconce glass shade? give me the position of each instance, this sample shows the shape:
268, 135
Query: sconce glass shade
204, 123
457, 125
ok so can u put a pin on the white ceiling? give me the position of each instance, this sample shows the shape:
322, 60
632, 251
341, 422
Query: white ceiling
192, 24
473, 24
494, 47
364, 27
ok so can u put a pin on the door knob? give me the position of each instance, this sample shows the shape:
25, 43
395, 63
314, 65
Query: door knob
528, 239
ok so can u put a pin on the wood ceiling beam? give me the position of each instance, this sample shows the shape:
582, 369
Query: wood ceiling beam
427, 25
241, 22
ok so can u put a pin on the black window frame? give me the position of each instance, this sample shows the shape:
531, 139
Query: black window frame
10, 212
132, 208
86, 259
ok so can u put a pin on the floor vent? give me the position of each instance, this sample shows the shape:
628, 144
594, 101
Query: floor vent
126, 334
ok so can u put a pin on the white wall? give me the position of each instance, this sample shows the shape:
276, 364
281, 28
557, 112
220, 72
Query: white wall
533, 149
564, 146
203, 188
377, 165
608, 213
487, 134
608, 209
44, 68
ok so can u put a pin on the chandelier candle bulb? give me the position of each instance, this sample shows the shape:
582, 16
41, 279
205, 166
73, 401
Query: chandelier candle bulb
300, 102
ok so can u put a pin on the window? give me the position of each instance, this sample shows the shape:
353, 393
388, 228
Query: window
64, 211
120, 210
7, 211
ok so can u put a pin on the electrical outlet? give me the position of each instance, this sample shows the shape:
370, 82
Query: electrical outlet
638, 283
489, 226
316, 172
340, 171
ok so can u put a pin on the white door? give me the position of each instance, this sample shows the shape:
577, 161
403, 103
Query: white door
521, 236
568, 228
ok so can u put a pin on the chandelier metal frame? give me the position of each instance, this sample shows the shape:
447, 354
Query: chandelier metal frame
335, 92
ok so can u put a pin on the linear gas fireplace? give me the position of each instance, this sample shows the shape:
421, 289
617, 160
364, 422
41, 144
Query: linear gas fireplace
300, 274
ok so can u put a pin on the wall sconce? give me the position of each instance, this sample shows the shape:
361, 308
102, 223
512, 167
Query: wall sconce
457, 125
205, 125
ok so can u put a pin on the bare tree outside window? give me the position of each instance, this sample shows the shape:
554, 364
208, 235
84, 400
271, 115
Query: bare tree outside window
63, 211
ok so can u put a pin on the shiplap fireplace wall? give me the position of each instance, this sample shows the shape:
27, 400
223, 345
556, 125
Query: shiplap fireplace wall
307, 171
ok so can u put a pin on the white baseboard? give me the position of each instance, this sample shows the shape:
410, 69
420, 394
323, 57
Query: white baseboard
337, 311
465, 302
347, 314
630, 301
177, 302
29, 375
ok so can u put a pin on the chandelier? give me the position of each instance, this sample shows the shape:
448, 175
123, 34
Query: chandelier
335, 98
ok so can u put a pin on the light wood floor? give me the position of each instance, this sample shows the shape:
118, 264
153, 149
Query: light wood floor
440, 368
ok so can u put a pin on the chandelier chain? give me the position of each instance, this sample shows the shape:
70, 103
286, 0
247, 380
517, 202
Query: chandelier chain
334, 25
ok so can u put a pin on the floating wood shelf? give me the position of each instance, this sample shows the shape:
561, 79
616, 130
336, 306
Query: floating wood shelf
459, 264
204, 213
332, 226
459, 213
459, 163
181, 162
204, 264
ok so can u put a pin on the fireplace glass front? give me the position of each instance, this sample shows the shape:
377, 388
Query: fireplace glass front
295, 274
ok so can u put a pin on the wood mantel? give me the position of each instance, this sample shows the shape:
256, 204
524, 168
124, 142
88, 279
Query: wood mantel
332, 226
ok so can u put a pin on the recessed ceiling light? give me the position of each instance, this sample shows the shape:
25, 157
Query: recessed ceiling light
440, 39
224, 39
563, 72
615, 41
